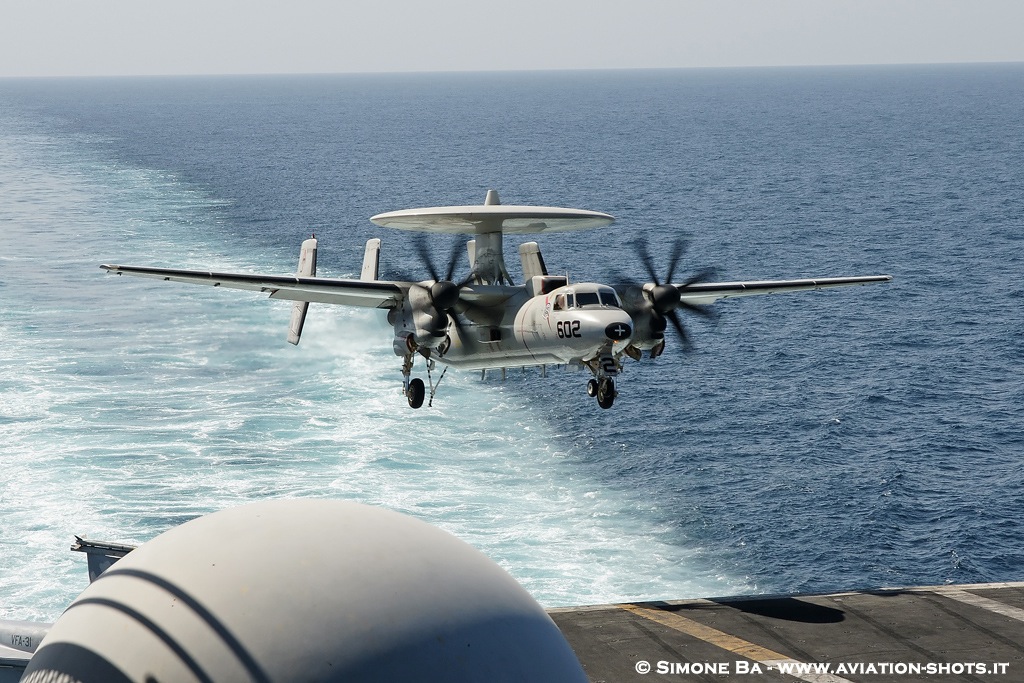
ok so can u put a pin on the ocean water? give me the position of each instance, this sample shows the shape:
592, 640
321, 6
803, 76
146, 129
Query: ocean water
845, 439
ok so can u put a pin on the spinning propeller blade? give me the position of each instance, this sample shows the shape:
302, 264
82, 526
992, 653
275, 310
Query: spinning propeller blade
445, 294
663, 298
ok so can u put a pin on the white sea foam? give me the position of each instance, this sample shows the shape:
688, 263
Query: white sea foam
822, 441
130, 406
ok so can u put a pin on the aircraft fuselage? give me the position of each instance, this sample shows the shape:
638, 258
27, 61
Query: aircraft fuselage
572, 324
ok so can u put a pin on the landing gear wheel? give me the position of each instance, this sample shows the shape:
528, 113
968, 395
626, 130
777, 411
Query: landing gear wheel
415, 393
592, 388
605, 393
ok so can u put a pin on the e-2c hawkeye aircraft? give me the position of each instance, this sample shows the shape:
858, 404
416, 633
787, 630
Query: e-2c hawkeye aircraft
486, 321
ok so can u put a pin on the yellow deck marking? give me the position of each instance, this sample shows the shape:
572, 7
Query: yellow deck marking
728, 642
982, 602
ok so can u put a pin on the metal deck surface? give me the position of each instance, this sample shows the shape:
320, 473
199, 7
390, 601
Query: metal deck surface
938, 633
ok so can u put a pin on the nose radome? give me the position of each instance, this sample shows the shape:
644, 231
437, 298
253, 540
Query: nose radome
618, 331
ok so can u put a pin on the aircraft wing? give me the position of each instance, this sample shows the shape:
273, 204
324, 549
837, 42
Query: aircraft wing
709, 292
368, 294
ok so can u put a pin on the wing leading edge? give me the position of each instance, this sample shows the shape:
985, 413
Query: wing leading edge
375, 294
709, 292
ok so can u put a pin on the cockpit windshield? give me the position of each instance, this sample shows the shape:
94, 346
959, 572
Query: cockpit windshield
592, 296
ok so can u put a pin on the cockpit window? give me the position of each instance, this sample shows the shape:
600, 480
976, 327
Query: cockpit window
608, 297
590, 296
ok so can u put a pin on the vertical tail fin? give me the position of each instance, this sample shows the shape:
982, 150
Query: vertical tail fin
371, 261
307, 268
532, 260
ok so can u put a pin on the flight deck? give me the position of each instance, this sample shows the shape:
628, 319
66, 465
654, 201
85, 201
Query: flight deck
939, 633
945, 633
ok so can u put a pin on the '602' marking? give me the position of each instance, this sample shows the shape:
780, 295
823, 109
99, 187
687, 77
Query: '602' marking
568, 328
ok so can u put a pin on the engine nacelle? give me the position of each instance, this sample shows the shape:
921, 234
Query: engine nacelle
418, 323
648, 326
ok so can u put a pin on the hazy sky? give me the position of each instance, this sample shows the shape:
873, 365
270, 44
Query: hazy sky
116, 37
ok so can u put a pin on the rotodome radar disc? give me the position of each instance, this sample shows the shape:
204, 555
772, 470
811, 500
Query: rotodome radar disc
493, 218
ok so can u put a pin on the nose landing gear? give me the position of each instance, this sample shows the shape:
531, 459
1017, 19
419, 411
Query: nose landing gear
606, 392
603, 388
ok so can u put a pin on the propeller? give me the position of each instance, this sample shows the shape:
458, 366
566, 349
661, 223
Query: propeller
662, 301
444, 293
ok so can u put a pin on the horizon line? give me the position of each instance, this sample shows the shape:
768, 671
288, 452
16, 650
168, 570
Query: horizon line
425, 72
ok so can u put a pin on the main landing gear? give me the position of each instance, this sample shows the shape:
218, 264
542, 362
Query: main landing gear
413, 387
415, 392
